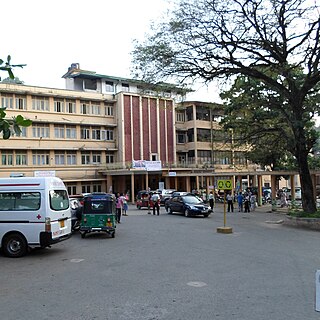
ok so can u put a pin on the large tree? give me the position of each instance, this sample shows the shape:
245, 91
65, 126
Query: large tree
209, 39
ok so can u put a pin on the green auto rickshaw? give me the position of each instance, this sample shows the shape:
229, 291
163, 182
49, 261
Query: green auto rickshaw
99, 214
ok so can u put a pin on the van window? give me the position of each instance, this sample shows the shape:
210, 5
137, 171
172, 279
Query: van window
59, 200
19, 201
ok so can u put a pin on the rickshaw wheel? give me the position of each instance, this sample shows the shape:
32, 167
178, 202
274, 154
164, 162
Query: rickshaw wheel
83, 234
113, 234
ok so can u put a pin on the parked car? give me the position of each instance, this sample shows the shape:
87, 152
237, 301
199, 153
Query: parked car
297, 193
189, 205
165, 195
175, 194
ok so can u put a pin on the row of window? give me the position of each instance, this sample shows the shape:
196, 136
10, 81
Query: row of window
39, 158
203, 135
215, 157
42, 130
85, 188
60, 105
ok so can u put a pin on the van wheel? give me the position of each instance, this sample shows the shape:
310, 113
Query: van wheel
14, 245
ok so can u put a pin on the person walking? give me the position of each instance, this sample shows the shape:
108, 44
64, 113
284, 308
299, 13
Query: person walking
124, 204
229, 202
240, 201
247, 202
118, 207
253, 202
211, 200
155, 198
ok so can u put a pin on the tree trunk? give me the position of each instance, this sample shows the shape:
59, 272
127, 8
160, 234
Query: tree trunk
307, 194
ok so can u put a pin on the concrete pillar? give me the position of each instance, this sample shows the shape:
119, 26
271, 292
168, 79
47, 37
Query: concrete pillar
188, 188
133, 196
293, 187
273, 191
147, 181
197, 182
259, 190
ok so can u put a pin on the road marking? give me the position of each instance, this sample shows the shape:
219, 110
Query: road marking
197, 284
76, 260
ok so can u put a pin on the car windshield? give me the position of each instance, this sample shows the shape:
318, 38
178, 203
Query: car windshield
192, 200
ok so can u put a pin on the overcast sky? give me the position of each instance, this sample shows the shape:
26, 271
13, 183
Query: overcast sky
50, 35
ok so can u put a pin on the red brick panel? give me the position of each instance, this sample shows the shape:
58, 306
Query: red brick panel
136, 128
127, 129
170, 132
163, 131
153, 125
145, 129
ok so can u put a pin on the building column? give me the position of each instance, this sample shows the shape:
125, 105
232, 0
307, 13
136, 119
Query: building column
273, 191
188, 184
197, 182
132, 189
147, 181
259, 190
293, 186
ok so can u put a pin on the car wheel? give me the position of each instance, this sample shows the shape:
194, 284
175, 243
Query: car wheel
14, 245
170, 211
187, 213
206, 215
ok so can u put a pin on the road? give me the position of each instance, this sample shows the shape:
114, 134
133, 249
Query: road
169, 267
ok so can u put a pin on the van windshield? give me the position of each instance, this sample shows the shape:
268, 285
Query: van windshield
58, 200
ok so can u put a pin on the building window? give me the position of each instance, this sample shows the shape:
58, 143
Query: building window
240, 158
7, 158
222, 157
85, 108
203, 135
190, 134
181, 137
59, 158
180, 117
96, 134
108, 109
90, 84
189, 113
203, 113
109, 158
96, 188
125, 87
71, 132
71, 106
86, 188
109, 86
85, 157
40, 103
21, 159
204, 156
107, 135
23, 132
59, 132
21, 103
72, 189
96, 157
7, 101
95, 109
85, 133
71, 158
40, 158
58, 105
40, 131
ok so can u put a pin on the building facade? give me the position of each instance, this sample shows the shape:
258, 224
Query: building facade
93, 132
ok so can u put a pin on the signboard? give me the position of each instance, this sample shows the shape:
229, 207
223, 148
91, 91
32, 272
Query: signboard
172, 174
47, 173
147, 165
225, 184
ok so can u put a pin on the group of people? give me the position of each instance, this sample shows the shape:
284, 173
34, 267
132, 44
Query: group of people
246, 201
121, 206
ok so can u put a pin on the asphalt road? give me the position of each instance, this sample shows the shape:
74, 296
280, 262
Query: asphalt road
169, 267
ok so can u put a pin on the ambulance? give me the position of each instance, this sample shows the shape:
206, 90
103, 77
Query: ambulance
34, 212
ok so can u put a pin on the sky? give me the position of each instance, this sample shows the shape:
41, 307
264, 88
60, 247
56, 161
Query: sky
49, 35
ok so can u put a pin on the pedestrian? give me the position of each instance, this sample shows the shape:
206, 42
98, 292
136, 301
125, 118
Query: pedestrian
211, 200
247, 202
155, 199
240, 201
124, 199
118, 207
283, 199
253, 202
230, 202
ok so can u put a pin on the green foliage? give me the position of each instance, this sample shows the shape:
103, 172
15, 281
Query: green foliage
9, 127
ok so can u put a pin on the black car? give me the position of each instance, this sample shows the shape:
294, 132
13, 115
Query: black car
189, 205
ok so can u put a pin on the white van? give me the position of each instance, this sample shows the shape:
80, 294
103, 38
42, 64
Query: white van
34, 212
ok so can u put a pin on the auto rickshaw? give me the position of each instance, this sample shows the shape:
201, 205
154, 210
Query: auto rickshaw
143, 199
99, 214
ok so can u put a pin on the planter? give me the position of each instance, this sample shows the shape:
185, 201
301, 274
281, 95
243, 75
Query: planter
307, 223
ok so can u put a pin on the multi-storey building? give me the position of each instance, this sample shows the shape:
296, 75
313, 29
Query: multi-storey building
97, 134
